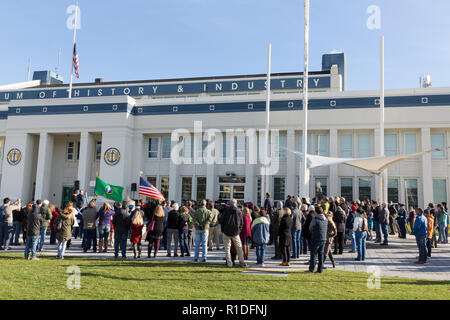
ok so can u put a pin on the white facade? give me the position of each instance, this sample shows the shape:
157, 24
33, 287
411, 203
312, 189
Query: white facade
59, 148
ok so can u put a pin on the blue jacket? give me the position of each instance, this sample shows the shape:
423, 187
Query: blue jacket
350, 220
260, 230
420, 226
319, 228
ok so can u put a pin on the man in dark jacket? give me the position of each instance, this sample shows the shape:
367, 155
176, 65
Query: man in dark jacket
231, 223
298, 220
121, 222
306, 234
384, 223
34, 222
90, 215
377, 212
339, 219
392, 215
402, 215
318, 228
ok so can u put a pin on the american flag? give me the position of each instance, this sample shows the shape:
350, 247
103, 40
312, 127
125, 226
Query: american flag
75, 60
148, 190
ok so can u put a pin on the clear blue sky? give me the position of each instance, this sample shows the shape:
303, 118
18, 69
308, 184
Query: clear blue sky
142, 39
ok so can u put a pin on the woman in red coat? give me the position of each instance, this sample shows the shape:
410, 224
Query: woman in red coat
246, 233
137, 223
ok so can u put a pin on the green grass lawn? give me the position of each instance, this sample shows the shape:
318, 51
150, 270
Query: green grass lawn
116, 279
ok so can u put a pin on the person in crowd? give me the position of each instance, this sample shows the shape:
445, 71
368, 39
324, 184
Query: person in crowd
90, 216
436, 225
430, 228
442, 217
349, 227
166, 210
444, 206
17, 226
137, 224
306, 233
75, 225
411, 218
55, 213
46, 214
202, 218
63, 227
275, 223
420, 232
360, 227
401, 221
214, 228
318, 229
246, 233
285, 237
24, 212
268, 202
231, 222
155, 230
191, 229
369, 214
288, 202
298, 220
34, 221
331, 233
339, 219
377, 212
6, 222
183, 230
392, 215
105, 215
172, 230
121, 222
384, 224
260, 236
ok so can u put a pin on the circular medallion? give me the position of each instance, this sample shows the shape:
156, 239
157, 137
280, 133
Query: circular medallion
14, 156
112, 156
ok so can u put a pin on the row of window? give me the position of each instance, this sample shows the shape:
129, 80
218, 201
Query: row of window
350, 145
73, 153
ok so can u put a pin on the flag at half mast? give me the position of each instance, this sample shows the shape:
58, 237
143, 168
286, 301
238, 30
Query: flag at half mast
148, 190
76, 65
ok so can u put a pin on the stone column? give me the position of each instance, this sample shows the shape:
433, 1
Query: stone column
291, 169
333, 180
87, 148
427, 175
44, 166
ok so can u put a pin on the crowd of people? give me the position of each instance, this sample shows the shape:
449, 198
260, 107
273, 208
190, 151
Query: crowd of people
294, 227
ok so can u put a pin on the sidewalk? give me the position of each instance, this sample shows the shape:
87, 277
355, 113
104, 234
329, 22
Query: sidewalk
395, 260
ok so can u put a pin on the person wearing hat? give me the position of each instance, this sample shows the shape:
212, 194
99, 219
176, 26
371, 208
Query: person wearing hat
401, 221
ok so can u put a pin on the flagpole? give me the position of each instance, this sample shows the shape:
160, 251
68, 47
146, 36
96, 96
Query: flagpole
383, 175
304, 178
73, 46
267, 142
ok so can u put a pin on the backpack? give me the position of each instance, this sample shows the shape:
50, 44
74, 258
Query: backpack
58, 224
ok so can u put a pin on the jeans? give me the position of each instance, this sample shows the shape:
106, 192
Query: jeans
296, 243
201, 238
42, 239
172, 233
306, 244
61, 249
402, 228
237, 244
184, 242
17, 225
384, 228
317, 251
428, 243
421, 243
120, 238
103, 232
352, 239
52, 237
360, 243
31, 244
6, 233
377, 228
260, 252
442, 235
90, 238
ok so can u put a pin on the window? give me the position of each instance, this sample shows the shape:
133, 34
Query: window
153, 144
78, 151
411, 193
438, 141
347, 188
188, 147
70, 150
300, 143
201, 188
98, 151
439, 190
393, 190
410, 144
225, 140
186, 188
282, 144
239, 149
346, 144
258, 190
165, 187
364, 146
278, 188
365, 188
320, 187
2, 145
166, 147
390, 144
152, 180
321, 145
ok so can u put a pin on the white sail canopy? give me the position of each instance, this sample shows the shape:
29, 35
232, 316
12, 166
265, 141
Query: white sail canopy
374, 165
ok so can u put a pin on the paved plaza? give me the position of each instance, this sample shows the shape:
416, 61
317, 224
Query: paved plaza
395, 260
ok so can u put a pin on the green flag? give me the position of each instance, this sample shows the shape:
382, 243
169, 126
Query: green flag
108, 191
